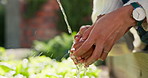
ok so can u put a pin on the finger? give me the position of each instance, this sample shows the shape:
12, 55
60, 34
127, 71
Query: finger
74, 59
106, 51
110, 42
77, 38
108, 46
104, 55
81, 32
86, 33
95, 56
76, 46
83, 48
85, 58
72, 50
86, 55
89, 53
83, 28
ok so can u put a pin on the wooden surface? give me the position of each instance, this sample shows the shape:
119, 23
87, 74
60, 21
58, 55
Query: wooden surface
129, 65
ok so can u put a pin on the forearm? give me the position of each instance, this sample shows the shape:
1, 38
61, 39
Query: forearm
123, 15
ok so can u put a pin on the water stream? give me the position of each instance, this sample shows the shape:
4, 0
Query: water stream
80, 67
65, 17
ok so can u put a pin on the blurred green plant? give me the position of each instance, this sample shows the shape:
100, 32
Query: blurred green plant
2, 53
78, 13
43, 67
56, 48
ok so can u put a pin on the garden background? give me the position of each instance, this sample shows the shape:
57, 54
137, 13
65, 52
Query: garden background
34, 43
34, 38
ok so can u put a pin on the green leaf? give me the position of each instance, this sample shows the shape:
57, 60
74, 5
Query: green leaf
2, 50
5, 67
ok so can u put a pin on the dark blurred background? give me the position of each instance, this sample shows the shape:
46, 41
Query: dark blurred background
23, 21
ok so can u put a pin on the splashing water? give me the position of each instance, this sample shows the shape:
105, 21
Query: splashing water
65, 17
79, 67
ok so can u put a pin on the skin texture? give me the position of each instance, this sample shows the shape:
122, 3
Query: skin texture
93, 43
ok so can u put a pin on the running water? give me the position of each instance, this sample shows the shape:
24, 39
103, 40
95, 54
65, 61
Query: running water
79, 67
65, 17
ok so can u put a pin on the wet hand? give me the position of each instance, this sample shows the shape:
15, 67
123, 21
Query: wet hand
83, 33
79, 39
106, 31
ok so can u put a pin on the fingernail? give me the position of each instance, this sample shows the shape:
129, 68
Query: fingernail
76, 38
81, 40
73, 49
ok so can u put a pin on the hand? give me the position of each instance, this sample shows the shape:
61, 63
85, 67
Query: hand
78, 60
79, 39
106, 31
83, 33
81, 36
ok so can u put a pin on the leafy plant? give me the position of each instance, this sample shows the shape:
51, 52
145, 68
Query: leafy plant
43, 67
2, 53
56, 48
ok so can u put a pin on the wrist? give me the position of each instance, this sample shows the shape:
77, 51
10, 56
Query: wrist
126, 14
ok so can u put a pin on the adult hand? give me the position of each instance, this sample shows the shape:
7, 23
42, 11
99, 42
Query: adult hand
106, 31
83, 32
81, 36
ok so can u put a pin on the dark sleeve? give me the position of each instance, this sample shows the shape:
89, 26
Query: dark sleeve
143, 34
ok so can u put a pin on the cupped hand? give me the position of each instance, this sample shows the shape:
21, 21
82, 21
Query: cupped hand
78, 40
106, 31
